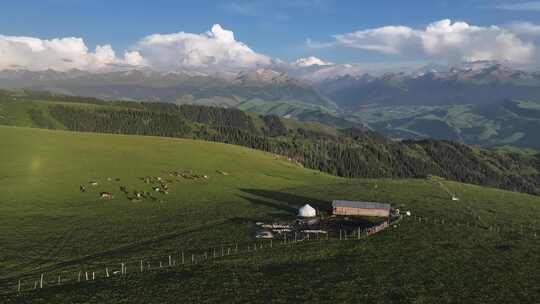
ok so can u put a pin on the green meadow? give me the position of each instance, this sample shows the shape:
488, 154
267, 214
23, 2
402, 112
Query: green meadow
483, 248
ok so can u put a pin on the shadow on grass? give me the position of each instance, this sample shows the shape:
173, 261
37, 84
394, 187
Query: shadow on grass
284, 201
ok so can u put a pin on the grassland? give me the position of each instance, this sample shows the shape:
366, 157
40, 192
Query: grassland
485, 252
42, 171
505, 123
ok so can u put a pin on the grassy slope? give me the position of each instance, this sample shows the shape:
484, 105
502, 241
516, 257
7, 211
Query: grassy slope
45, 220
17, 112
488, 126
42, 172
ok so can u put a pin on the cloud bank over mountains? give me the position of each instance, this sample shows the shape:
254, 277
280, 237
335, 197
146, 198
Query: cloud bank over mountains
59, 54
218, 50
447, 41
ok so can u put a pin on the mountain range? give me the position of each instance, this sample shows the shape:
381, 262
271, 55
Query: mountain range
471, 83
484, 103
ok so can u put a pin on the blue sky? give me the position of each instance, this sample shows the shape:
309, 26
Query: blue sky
275, 28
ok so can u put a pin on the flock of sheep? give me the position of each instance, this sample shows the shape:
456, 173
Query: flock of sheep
159, 185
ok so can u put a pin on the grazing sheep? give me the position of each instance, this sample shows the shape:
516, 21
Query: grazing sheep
106, 195
82, 188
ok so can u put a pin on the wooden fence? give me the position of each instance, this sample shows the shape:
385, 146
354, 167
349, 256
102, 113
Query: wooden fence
185, 258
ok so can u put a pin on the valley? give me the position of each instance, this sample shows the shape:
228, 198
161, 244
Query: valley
251, 151
480, 103
349, 152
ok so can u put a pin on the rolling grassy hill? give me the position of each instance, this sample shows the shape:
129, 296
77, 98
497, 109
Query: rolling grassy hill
486, 251
512, 122
44, 169
350, 152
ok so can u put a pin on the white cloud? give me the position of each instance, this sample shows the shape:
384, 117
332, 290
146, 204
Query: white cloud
310, 61
443, 40
216, 48
59, 54
461, 41
388, 39
525, 29
522, 6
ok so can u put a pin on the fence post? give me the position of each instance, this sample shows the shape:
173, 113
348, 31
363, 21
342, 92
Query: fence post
107, 271
19, 286
41, 281
170, 261
182, 257
93, 275
59, 280
141, 266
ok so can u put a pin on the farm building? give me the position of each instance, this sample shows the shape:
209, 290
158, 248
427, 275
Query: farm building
350, 208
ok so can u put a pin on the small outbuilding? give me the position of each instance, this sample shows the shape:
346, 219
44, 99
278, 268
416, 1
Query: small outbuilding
307, 211
351, 208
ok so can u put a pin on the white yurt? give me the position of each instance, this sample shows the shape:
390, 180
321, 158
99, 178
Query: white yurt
307, 211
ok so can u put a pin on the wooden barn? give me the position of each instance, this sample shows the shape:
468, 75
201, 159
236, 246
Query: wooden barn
350, 208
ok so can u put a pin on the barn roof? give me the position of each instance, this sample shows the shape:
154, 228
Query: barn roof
362, 205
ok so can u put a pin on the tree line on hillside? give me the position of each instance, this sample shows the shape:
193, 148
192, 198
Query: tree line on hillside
350, 153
